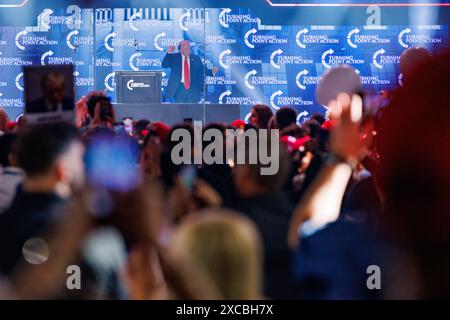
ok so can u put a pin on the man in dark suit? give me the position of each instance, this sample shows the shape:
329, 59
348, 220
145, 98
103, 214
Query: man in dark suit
187, 74
53, 88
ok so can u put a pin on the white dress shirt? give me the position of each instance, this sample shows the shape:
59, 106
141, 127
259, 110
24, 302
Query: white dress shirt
182, 67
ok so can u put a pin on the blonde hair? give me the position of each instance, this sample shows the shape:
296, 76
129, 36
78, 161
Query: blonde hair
223, 248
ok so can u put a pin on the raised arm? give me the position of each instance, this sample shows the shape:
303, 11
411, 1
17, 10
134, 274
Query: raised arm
322, 202
168, 59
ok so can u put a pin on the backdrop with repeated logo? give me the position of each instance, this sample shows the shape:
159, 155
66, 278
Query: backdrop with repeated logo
258, 63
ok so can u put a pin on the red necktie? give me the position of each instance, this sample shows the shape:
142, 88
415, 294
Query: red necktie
187, 77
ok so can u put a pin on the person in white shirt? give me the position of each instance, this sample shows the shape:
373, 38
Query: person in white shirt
187, 74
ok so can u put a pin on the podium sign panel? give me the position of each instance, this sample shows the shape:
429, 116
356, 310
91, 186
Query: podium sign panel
138, 86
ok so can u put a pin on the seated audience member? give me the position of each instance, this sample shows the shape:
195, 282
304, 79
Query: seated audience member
260, 198
222, 249
11, 175
260, 116
52, 158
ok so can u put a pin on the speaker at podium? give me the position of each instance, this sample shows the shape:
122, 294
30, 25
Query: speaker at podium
140, 87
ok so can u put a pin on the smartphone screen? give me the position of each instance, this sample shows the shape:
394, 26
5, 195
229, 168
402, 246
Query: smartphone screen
110, 164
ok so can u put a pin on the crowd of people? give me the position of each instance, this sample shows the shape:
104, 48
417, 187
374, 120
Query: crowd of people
359, 208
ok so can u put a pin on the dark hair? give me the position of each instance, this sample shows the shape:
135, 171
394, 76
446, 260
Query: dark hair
297, 132
170, 170
271, 183
222, 128
318, 117
7, 142
139, 126
39, 147
285, 117
264, 114
314, 128
151, 133
93, 100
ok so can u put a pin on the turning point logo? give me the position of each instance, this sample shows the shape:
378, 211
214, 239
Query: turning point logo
379, 59
246, 79
301, 115
287, 101
110, 82
133, 18
400, 37
247, 34
297, 79
19, 81
45, 55
223, 95
297, 38
155, 41
134, 56
185, 22
272, 58
131, 85
324, 56
375, 56
223, 17
272, 99
349, 37
221, 56
17, 39
106, 41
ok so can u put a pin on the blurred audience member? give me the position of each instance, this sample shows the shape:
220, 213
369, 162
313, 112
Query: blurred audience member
260, 116
260, 198
51, 157
100, 110
140, 129
222, 249
286, 119
414, 178
11, 175
3, 121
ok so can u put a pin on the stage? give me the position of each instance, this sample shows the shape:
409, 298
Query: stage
264, 54
171, 113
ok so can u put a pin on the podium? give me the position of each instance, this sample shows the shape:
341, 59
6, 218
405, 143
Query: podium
138, 87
